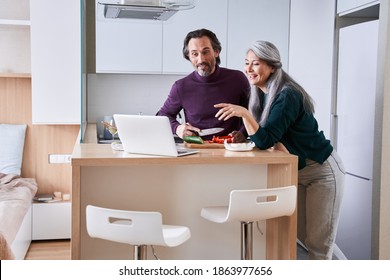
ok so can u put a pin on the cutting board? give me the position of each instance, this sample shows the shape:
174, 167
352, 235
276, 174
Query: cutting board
204, 146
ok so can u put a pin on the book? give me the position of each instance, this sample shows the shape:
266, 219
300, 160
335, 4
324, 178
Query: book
43, 197
55, 199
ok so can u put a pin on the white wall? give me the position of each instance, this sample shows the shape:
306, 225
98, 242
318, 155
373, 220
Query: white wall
15, 38
127, 94
312, 25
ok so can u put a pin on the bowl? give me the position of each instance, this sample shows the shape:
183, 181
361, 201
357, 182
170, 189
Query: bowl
239, 147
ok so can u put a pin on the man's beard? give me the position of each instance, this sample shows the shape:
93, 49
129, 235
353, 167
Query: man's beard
206, 71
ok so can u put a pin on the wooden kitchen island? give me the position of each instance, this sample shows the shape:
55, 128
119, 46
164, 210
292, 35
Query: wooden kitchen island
179, 188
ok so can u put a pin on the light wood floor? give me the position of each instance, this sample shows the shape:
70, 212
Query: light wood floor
49, 250
60, 250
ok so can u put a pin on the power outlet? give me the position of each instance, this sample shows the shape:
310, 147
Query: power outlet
60, 158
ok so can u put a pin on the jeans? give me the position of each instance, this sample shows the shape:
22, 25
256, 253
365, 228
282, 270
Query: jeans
320, 192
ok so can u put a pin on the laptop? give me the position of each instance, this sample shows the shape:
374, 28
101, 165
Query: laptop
149, 135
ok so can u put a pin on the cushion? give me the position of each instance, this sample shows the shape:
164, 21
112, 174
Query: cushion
11, 147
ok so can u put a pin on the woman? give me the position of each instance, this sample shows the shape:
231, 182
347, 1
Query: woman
281, 113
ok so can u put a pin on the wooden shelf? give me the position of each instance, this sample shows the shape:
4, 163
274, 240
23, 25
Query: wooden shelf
15, 75
14, 22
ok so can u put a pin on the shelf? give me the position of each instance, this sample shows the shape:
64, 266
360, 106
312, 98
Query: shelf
13, 22
15, 75
370, 10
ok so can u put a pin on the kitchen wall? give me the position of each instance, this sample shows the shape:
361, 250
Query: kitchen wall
127, 94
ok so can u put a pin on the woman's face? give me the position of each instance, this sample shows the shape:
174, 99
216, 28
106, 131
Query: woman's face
202, 55
257, 71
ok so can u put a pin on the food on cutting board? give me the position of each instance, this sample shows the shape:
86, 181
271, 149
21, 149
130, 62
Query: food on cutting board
214, 140
221, 139
193, 139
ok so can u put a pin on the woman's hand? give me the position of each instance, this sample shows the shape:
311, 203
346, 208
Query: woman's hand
227, 111
238, 137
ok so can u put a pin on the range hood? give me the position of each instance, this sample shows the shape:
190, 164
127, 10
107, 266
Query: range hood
144, 9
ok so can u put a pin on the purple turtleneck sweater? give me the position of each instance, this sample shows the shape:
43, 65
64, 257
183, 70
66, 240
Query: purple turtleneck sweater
196, 95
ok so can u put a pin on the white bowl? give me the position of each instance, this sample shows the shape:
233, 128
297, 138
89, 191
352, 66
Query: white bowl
239, 147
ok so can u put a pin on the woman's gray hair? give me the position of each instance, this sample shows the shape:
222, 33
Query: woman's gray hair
277, 81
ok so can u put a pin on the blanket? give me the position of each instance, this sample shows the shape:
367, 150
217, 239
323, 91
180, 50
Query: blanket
16, 194
5, 249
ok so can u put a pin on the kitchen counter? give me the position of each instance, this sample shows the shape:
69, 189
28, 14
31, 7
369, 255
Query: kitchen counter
179, 188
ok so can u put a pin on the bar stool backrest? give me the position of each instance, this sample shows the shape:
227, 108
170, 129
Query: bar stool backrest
261, 204
131, 227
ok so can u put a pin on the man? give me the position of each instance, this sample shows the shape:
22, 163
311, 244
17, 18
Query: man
209, 84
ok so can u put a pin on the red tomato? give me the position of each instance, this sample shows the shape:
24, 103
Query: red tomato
221, 139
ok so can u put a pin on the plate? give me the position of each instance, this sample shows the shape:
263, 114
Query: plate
239, 147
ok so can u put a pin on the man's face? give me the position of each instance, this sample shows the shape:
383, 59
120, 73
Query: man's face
202, 55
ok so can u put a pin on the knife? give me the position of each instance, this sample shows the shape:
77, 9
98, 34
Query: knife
209, 131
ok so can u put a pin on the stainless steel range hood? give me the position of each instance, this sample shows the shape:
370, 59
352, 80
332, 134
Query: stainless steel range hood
144, 9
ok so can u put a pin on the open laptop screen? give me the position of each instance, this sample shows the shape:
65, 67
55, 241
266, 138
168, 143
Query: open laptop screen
150, 135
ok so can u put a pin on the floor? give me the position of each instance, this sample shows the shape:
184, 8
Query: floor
49, 250
302, 253
60, 250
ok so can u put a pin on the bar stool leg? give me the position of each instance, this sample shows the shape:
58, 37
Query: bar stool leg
246, 240
140, 252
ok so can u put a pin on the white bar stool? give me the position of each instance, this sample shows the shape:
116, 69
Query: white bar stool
137, 228
248, 206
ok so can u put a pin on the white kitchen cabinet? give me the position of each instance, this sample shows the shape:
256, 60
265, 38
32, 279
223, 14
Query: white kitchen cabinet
56, 61
177, 27
251, 21
123, 48
15, 37
51, 220
127, 45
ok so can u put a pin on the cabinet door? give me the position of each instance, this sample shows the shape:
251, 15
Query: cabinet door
127, 45
355, 229
256, 20
56, 61
356, 90
211, 15
51, 220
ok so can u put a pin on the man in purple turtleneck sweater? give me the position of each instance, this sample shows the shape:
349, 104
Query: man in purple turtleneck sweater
209, 84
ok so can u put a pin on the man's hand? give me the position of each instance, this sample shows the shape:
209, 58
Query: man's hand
186, 130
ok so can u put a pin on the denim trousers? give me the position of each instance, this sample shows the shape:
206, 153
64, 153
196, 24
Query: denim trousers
320, 192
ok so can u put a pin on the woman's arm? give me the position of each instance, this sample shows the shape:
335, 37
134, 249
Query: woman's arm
228, 111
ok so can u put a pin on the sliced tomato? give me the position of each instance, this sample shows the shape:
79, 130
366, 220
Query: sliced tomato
221, 139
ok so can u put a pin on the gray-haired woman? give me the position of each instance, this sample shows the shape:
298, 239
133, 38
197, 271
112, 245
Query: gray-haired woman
281, 113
